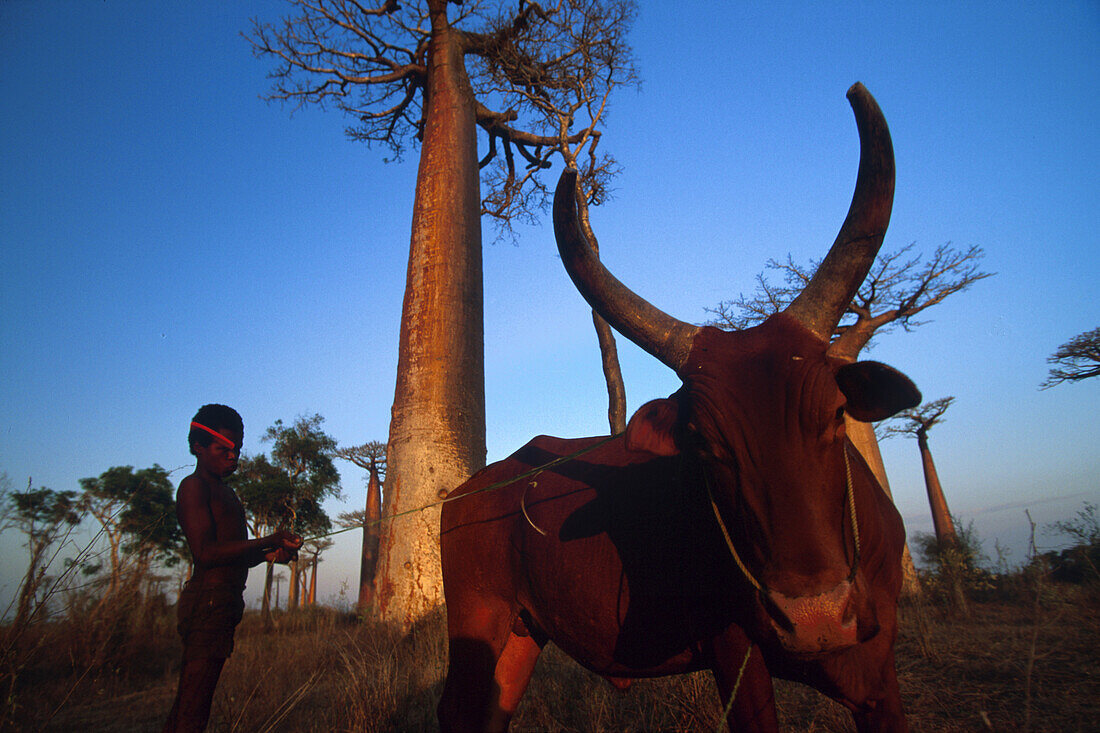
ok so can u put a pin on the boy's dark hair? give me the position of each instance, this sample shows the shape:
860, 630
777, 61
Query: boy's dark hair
215, 417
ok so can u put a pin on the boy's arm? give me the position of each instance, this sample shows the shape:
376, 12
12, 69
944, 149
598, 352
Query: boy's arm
193, 511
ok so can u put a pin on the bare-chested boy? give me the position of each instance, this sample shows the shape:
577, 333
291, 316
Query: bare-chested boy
212, 602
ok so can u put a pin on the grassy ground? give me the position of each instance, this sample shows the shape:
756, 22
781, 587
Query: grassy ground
1026, 664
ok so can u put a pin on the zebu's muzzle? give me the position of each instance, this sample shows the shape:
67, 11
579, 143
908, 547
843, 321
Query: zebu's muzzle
814, 624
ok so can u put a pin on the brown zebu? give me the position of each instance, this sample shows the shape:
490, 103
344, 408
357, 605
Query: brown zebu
734, 511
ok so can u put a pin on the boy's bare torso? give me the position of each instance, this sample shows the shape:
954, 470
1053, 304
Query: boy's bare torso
229, 525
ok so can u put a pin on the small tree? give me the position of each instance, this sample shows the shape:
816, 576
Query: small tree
262, 488
304, 476
136, 510
1076, 359
44, 516
956, 565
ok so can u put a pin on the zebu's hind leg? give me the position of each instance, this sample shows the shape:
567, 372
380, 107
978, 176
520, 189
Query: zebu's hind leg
513, 672
488, 669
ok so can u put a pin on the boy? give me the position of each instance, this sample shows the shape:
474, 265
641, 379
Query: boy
212, 602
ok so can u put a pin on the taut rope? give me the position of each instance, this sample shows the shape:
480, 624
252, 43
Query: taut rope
491, 487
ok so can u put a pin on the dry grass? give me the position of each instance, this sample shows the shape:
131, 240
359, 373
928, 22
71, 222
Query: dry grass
1012, 665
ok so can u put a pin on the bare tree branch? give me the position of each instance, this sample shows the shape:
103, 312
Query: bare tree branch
1076, 359
531, 67
900, 286
917, 421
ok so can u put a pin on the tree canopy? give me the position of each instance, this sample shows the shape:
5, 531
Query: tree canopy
918, 420
541, 76
900, 286
286, 490
1076, 359
44, 516
136, 510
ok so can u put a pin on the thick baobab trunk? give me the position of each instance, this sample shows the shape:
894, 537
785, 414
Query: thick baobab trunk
368, 562
437, 431
941, 517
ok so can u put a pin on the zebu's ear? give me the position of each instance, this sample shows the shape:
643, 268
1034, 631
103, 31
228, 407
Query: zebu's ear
875, 391
651, 429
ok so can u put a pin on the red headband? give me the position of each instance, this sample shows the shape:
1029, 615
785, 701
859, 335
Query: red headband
217, 436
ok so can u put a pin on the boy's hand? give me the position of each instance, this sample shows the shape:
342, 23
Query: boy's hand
280, 556
288, 540
287, 544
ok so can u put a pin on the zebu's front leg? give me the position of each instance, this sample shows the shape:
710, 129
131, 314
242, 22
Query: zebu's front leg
740, 669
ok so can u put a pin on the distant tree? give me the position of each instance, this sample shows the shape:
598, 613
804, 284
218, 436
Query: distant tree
372, 458
411, 74
1076, 359
956, 556
44, 516
899, 288
302, 453
312, 550
136, 510
917, 422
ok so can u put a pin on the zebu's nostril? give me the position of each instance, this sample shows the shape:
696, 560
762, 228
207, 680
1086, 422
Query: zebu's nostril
814, 624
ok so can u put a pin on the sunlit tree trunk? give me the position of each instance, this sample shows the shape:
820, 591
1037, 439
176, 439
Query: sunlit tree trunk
313, 581
265, 604
437, 431
951, 561
30, 585
941, 516
292, 587
368, 563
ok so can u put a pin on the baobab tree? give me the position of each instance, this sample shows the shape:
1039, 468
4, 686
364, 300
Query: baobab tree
955, 558
44, 516
900, 286
917, 422
1076, 359
372, 458
412, 74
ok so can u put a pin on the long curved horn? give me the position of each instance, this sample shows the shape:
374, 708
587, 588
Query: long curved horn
823, 301
652, 329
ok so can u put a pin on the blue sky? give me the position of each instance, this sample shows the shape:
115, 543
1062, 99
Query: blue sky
168, 239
